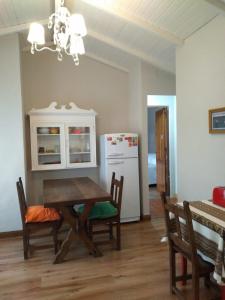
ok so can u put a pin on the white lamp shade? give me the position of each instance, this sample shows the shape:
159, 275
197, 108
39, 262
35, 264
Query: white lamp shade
36, 34
77, 25
76, 45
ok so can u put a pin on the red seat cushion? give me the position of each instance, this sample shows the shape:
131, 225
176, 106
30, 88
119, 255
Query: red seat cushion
39, 213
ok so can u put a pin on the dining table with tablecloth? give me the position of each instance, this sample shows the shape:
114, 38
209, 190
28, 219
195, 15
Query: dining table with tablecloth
209, 227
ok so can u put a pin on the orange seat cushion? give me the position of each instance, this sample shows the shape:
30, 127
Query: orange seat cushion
39, 213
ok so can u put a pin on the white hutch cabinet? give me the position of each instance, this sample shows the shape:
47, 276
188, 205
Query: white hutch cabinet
62, 138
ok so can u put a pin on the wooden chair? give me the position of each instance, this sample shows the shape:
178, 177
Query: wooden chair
181, 240
31, 227
111, 219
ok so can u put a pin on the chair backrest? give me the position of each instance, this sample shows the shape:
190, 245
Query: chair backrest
179, 228
22, 199
117, 190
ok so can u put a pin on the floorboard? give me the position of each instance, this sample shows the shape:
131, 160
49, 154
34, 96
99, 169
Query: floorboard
139, 271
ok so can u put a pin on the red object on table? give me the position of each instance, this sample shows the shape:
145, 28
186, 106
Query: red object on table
219, 196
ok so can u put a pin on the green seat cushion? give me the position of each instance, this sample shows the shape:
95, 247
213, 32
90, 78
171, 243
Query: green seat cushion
101, 210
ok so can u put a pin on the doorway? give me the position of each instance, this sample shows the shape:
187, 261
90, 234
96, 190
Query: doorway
161, 150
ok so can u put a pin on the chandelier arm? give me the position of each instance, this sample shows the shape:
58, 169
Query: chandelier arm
44, 48
75, 57
66, 51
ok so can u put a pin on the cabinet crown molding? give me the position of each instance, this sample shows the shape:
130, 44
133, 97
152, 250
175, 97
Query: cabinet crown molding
70, 108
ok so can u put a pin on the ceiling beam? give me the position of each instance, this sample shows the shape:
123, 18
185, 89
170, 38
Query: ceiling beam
130, 50
90, 55
106, 61
140, 22
109, 41
20, 27
118, 45
218, 4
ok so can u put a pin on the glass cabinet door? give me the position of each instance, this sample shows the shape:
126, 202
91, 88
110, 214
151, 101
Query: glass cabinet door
49, 146
79, 145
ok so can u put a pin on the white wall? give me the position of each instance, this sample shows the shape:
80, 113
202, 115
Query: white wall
11, 132
146, 79
170, 102
200, 65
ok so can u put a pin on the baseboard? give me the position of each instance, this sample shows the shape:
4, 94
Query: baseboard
130, 220
10, 234
145, 217
17, 233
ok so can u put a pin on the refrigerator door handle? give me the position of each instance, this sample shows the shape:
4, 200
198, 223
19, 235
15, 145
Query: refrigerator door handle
116, 163
115, 154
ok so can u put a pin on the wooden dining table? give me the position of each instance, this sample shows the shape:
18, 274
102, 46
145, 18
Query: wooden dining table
63, 194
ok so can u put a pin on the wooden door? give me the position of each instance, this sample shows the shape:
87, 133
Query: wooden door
162, 150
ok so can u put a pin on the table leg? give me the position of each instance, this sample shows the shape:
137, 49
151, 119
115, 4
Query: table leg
222, 294
75, 232
89, 244
64, 247
71, 235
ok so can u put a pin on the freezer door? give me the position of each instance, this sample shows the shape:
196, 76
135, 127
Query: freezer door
121, 145
128, 168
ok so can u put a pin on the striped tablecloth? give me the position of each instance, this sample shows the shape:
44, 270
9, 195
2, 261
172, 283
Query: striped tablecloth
209, 226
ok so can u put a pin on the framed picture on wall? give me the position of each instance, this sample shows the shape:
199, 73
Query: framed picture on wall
217, 120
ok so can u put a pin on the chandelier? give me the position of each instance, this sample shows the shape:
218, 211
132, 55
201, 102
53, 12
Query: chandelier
68, 32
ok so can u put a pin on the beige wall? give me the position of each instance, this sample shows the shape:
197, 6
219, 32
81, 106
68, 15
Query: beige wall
200, 86
91, 85
120, 99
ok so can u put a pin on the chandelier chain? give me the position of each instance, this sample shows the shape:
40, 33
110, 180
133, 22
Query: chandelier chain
68, 33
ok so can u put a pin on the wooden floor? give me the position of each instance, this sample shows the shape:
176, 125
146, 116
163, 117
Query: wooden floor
155, 202
139, 271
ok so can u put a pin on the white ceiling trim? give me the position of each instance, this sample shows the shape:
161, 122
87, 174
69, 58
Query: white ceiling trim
106, 61
140, 22
20, 27
109, 41
90, 55
217, 3
135, 52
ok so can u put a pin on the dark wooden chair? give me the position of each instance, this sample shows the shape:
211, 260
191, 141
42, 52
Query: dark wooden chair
32, 227
181, 240
109, 221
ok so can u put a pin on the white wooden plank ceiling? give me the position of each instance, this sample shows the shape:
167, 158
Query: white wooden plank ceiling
14, 12
148, 29
180, 17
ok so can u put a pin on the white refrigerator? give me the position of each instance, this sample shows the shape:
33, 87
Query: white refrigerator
119, 154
